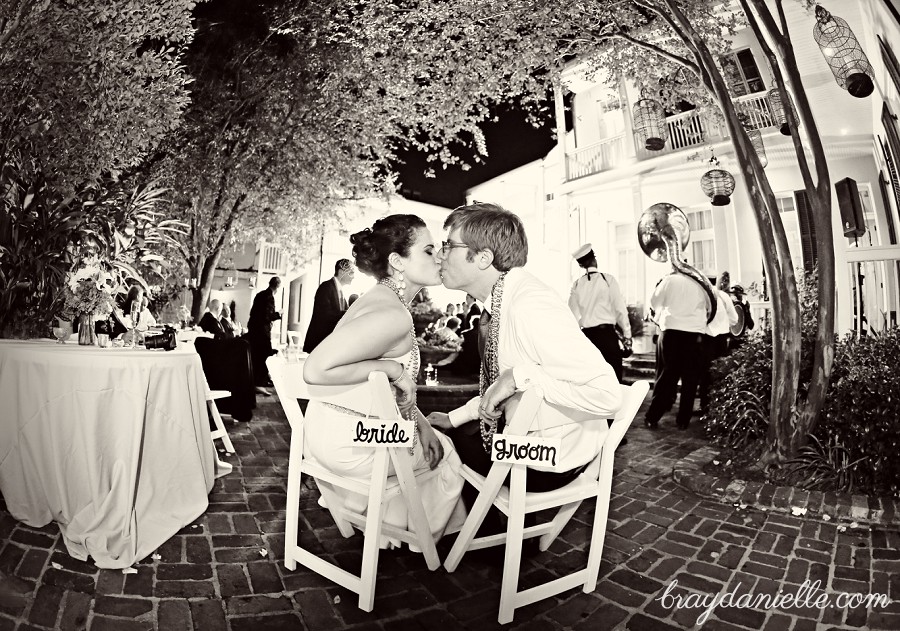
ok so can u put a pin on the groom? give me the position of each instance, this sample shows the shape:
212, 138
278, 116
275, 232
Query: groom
531, 339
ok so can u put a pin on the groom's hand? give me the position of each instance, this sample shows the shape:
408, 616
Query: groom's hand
494, 399
440, 420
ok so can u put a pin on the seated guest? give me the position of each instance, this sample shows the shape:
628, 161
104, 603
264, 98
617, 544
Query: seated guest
147, 317
226, 322
227, 366
210, 321
447, 333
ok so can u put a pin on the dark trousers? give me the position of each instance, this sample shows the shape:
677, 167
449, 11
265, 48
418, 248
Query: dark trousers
683, 359
604, 337
716, 347
227, 366
467, 441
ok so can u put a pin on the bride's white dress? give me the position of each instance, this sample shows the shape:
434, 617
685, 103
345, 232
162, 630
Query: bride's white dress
440, 493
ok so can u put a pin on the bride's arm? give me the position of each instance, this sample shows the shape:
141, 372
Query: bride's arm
353, 350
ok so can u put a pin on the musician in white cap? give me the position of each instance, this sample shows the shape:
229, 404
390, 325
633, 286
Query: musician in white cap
598, 305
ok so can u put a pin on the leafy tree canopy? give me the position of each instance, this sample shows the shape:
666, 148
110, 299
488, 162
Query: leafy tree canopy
89, 88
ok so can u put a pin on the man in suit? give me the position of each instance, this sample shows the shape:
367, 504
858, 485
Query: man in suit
259, 332
329, 305
469, 311
210, 321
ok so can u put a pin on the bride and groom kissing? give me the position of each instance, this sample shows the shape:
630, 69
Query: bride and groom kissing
528, 338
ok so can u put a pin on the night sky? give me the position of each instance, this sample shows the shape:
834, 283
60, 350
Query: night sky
511, 142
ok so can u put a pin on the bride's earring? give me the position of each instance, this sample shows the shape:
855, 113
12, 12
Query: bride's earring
400, 282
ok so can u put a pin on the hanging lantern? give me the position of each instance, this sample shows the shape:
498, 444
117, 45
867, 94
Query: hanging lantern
717, 183
650, 124
845, 57
758, 146
756, 140
779, 107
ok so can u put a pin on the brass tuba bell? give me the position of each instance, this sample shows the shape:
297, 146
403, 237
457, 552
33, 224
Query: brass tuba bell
663, 233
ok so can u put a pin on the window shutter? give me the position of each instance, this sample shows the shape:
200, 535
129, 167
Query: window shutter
807, 230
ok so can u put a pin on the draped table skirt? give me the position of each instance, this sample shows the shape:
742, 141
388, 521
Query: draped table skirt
113, 444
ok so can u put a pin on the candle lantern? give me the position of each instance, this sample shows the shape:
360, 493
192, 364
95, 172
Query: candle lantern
844, 55
650, 124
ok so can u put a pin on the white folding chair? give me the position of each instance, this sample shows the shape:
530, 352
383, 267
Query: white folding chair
219, 432
295, 338
376, 395
515, 502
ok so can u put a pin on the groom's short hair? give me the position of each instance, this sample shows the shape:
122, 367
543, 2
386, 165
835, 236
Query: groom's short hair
491, 227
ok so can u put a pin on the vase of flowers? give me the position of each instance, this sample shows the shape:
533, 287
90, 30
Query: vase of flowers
89, 292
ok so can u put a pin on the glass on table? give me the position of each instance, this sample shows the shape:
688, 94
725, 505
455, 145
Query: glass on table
62, 332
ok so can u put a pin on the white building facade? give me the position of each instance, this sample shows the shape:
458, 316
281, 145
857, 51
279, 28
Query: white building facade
595, 185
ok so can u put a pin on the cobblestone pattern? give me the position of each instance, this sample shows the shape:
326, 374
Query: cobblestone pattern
225, 572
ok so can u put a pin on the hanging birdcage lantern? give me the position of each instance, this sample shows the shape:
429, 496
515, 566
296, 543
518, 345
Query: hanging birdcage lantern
650, 129
758, 146
779, 110
845, 57
756, 139
717, 184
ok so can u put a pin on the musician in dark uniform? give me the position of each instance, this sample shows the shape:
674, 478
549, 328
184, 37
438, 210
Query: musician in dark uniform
598, 305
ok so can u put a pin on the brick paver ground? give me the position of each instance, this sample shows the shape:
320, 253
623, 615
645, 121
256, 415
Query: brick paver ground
225, 571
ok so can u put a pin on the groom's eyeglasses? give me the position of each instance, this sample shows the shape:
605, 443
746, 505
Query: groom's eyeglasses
446, 246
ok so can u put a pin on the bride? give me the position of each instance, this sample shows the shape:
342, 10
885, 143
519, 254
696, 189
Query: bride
376, 333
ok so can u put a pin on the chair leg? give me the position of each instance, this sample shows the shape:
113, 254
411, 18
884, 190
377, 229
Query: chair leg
220, 427
486, 496
598, 534
559, 522
292, 510
410, 490
374, 516
514, 534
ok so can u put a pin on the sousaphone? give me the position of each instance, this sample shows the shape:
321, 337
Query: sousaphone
663, 233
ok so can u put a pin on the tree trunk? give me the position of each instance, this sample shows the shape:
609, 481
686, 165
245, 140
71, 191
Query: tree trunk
204, 284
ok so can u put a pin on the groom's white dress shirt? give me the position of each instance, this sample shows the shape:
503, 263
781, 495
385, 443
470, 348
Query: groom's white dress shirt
543, 344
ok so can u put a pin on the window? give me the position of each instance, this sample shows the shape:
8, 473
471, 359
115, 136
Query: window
700, 220
702, 247
785, 204
703, 254
741, 73
626, 263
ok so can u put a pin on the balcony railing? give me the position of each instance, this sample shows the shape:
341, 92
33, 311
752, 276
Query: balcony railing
271, 259
688, 129
600, 156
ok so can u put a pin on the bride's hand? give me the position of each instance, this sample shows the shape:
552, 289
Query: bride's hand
431, 444
406, 393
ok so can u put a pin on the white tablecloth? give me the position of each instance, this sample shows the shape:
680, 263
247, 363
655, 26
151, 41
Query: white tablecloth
113, 444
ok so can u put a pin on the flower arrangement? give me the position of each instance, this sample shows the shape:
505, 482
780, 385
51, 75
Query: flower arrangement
89, 290
439, 341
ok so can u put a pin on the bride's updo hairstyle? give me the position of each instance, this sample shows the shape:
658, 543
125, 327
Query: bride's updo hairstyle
372, 247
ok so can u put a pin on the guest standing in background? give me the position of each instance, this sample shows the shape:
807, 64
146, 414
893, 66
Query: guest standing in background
329, 305
259, 332
598, 306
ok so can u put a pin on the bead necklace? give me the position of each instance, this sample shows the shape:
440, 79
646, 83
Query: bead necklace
413, 356
491, 360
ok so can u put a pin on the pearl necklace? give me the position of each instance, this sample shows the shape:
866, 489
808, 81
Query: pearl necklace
491, 360
414, 357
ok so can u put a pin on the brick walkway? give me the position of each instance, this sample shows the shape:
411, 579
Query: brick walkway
225, 571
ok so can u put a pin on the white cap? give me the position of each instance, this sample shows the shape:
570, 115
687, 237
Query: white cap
587, 248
